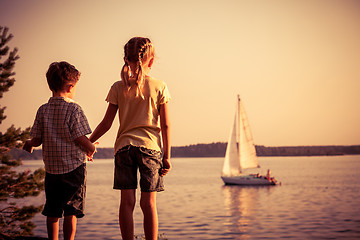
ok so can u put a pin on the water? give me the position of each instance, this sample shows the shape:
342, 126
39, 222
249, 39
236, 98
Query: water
318, 199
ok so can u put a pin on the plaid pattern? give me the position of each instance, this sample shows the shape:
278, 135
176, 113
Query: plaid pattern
58, 123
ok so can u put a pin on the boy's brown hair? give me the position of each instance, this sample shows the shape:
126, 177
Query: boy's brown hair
61, 73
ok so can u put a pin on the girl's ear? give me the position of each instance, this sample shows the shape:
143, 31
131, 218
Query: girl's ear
151, 62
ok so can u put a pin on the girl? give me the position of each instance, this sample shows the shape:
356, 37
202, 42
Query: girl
141, 102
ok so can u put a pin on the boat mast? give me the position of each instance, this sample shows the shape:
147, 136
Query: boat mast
238, 123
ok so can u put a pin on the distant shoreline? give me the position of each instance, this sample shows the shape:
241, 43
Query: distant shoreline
218, 150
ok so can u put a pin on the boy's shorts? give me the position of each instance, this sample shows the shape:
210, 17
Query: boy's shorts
65, 193
128, 159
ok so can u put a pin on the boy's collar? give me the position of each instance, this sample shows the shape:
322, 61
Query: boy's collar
66, 99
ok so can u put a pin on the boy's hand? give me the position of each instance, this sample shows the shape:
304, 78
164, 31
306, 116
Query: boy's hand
166, 167
28, 147
90, 155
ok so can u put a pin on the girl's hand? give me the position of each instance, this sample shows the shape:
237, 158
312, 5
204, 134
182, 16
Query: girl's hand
90, 155
166, 167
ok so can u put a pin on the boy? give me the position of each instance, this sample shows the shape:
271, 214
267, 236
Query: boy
60, 125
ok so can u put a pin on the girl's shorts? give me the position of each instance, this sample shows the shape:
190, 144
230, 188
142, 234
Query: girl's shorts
65, 193
130, 158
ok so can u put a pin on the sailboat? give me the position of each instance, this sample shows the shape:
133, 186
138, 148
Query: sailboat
241, 154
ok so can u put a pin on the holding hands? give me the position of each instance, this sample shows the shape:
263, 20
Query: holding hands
90, 154
83, 141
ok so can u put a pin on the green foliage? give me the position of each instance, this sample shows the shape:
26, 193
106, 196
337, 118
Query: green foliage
161, 236
14, 220
13, 138
6, 67
20, 184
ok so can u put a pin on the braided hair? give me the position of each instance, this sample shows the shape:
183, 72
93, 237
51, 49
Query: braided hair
136, 50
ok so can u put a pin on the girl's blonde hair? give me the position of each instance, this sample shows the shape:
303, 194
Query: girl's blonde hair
136, 50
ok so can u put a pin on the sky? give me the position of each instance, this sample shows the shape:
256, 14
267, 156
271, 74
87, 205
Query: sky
295, 64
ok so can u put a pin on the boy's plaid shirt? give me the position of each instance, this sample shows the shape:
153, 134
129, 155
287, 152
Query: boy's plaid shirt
58, 123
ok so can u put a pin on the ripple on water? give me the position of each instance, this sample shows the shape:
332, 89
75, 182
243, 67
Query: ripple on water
196, 204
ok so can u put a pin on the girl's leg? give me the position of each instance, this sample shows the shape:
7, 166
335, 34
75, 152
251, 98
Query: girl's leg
126, 221
69, 227
52, 224
148, 207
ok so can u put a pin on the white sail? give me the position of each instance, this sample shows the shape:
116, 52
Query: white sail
240, 151
248, 158
232, 158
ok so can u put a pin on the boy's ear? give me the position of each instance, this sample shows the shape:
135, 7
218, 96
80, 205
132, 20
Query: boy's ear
68, 88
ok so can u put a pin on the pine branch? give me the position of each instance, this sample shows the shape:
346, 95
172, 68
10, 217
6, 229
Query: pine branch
6, 68
14, 220
14, 137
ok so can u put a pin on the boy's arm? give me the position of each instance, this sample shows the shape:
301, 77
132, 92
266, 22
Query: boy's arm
105, 124
165, 133
30, 144
87, 146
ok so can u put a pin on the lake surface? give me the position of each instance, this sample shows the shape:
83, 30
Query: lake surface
319, 198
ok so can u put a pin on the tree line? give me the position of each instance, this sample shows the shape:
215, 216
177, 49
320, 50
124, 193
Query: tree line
218, 149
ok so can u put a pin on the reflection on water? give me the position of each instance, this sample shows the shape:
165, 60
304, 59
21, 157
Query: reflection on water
318, 199
242, 203
239, 202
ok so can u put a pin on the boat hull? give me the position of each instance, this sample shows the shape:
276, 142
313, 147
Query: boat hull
247, 180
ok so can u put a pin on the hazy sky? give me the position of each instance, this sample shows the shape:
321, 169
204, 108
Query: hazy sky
295, 64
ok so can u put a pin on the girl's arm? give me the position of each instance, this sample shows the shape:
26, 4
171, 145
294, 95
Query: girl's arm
165, 133
87, 146
105, 124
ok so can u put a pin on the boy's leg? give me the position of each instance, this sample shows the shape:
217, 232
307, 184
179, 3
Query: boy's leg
70, 227
148, 207
52, 224
126, 221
